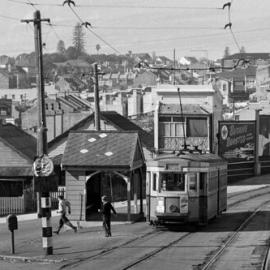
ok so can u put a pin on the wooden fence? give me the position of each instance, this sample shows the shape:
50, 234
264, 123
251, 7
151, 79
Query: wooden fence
11, 205
54, 196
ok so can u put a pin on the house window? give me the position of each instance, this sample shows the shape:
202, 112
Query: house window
46, 106
59, 106
197, 127
3, 112
21, 96
177, 127
224, 87
52, 107
13, 96
172, 126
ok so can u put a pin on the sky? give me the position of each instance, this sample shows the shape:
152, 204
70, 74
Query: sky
188, 27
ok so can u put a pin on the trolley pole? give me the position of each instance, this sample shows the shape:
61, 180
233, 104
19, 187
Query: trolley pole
97, 109
45, 201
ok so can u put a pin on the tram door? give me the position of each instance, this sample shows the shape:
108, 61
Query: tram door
203, 207
193, 195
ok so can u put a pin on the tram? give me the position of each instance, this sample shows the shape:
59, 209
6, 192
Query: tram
185, 188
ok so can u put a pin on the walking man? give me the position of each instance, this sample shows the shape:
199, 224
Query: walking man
63, 205
106, 215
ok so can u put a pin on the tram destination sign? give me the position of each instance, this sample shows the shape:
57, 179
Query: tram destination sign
237, 140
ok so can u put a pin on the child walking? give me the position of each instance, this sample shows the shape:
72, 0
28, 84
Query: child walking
106, 209
62, 209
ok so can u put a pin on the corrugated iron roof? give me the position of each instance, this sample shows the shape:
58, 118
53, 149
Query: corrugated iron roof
16, 171
120, 122
100, 149
187, 109
19, 140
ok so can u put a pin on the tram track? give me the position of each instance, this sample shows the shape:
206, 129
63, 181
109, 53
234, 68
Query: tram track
226, 244
148, 255
108, 250
223, 247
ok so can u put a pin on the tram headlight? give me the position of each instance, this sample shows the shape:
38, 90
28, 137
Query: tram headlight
160, 206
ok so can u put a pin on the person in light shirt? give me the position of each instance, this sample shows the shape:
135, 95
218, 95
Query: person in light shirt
63, 205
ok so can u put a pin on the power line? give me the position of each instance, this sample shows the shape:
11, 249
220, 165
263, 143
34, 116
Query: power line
95, 34
121, 6
9, 17
229, 24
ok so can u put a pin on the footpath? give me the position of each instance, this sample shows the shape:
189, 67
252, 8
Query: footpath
89, 240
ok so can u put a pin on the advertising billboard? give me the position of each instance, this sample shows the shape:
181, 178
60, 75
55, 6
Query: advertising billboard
237, 140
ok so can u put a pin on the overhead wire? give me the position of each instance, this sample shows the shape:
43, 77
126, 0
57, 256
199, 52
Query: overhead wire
33, 4
229, 24
94, 33
121, 6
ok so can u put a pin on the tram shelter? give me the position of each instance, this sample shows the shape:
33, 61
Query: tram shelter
108, 163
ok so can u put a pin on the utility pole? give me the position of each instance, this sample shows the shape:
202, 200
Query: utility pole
173, 66
43, 166
97, 109
257, 168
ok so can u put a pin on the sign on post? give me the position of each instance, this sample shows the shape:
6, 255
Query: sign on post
43, 166
44, 179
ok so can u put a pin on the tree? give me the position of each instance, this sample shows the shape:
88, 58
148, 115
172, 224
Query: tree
78, 39
71, 53
242, 49
61, 47
98, 48
226, 52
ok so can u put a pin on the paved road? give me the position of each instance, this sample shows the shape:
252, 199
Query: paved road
88, 242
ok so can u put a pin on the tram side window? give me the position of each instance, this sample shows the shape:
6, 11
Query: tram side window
192, 182
172, 182
154, 182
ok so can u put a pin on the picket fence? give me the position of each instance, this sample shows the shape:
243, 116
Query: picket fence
11, 205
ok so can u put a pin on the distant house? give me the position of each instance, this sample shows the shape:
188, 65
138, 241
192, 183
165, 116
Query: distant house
242, 82
175, 127
208, 97
142, 57
61, 114
68, 84
18, 150
5, 79
5, 109
252, 58
115, 79
73, 66
151, 78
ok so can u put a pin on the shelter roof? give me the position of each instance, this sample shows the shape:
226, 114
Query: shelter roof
99, 149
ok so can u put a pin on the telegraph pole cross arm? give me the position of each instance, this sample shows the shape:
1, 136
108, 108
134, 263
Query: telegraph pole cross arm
44, 180
36, 19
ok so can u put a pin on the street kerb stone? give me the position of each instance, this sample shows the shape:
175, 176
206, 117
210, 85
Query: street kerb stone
38, 259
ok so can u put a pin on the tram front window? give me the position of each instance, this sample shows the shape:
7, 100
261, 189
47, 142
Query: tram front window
172, 182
